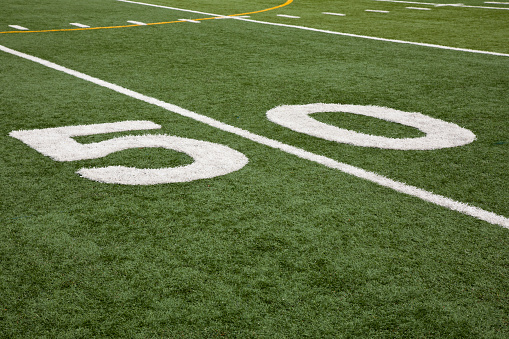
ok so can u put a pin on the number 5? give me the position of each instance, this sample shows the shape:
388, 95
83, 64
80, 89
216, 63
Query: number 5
210, 159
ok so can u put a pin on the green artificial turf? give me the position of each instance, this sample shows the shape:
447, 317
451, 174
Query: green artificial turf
284, 247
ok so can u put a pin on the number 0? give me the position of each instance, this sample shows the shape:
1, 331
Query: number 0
439, 133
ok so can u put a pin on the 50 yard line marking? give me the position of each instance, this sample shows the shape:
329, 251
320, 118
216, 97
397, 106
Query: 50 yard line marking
401, 187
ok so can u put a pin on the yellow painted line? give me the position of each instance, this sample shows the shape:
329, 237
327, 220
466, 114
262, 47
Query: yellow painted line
151, 23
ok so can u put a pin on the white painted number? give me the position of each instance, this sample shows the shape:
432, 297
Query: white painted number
210, 159
439, 133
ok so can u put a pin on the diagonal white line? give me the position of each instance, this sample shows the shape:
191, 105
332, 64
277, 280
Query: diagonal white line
136, 22
190, 20
77, 24
436, 199
19, 27
337, 33
167, 7
378, 39
442, 5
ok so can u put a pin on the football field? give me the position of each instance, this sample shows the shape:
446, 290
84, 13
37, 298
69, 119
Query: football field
261, 169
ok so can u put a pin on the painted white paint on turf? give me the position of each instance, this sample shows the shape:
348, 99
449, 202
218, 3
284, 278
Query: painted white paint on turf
401, 187
419, 8
57, 143
448, 5
459, 5
21, 28
339, 33
190, 20
289, 16
233, 17
210, 159
219, 16
418, 2
77, 24
439, 133
375, 11
378, 39
136, 22
330, 13
167, 7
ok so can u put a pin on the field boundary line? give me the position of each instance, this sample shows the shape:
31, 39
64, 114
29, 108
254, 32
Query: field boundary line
238, 17
401, 187
422, 44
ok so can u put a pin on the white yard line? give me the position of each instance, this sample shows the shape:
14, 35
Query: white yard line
329, 13
233, 17
436, 199
166, 7
376, 11
441, 5
338, 33
190, 20
419, 8
136, 22
289, 16
240, 17
77, 24
21, 28
378, 39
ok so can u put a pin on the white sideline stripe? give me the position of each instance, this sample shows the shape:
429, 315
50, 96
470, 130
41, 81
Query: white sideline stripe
420, 8
289, 16
436, 199
442, 5
338, 33
21, 28
77, 24
376, 11
136, 22
330, 13
496, 3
